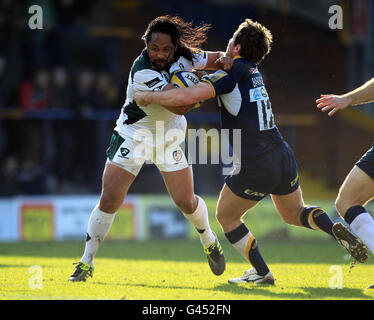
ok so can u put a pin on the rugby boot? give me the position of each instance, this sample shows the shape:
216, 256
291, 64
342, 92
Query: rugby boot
251, 276
82, 272
216, 258
351, 243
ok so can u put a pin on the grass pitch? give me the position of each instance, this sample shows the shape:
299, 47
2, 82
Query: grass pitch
178, 270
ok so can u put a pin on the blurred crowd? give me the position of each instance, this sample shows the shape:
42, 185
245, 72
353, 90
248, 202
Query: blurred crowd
42, 70
55, 89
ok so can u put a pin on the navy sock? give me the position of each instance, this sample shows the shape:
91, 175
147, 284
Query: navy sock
243, 240
353, 212
256, 259
317, 219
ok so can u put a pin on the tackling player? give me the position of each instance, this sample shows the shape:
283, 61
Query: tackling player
358, 187
171, 44
267, 162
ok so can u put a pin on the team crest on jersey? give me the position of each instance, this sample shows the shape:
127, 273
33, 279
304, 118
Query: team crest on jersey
177, 155
253, 70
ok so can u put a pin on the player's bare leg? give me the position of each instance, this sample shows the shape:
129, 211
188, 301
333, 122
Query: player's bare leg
180, 187
356, 191
231, 208
293, 211
115, 184
229, 213
290, 207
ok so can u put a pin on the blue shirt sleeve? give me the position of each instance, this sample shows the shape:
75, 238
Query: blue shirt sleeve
221, 81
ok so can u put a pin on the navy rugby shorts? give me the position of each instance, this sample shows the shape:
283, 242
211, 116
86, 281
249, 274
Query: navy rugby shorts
274, 172
366, 163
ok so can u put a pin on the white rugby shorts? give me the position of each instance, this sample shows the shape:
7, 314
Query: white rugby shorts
166, 148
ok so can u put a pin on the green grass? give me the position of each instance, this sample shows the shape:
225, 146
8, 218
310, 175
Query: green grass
177, 270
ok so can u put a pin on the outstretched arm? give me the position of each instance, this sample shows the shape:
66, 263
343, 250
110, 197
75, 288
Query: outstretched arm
178, 97
334, 103
181, 110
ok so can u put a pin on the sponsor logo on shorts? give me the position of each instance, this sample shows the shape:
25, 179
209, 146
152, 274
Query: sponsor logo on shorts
294, 181
124, 152
254, 193
177, 155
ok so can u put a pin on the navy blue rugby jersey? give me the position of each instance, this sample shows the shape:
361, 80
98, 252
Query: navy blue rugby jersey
245, 105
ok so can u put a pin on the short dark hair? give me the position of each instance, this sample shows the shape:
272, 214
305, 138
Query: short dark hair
183, 34
255, 40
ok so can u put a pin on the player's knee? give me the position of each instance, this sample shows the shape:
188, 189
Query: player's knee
219, 216
186, 204
293, 216
289, 220
223, 217
109, 202
227, 221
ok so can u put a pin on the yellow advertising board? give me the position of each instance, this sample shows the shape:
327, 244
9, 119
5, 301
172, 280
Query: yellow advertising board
123, 227
37, 222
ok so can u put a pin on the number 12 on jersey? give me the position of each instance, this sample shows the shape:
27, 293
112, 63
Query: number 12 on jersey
265, 113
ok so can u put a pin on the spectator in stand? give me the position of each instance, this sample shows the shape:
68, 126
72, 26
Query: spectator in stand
84, 92
35, 95
8, 174
84, 130
4, 90
31, 179
61, 99
61, 94
106, 93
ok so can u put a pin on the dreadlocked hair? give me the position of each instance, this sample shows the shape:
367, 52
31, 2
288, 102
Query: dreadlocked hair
183, 34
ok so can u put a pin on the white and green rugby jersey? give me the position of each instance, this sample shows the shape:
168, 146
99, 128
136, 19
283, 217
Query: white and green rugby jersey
145, 78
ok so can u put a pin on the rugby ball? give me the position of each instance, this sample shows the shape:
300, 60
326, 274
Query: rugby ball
185, 79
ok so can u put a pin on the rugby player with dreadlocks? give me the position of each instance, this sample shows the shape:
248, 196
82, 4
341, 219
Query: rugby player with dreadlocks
171, 44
